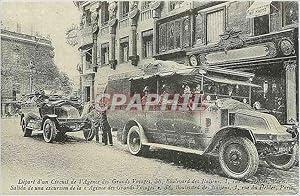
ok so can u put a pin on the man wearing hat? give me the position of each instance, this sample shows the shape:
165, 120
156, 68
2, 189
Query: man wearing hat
105, 126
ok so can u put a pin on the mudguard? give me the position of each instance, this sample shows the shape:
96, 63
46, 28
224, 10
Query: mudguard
228, 131
129, 124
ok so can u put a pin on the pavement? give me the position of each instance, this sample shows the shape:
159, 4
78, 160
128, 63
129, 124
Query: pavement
75, 166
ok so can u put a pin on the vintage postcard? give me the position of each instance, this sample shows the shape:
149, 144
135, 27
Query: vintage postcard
149, 97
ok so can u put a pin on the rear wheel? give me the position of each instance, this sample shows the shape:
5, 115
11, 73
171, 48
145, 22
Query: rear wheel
89, 131
238, 158
89, 134
26, 132
134, 142
285, 161
49, 130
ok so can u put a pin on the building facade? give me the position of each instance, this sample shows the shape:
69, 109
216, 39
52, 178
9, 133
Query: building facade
26, 65
259, 37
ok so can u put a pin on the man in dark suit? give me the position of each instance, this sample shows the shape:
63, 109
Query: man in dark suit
105, 126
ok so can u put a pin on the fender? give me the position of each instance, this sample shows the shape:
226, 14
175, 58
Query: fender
228, 131
51, 116
128, 125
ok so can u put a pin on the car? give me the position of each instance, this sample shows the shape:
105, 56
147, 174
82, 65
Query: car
54, 117
222, 124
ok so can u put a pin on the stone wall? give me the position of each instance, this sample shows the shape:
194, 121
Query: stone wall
17, 50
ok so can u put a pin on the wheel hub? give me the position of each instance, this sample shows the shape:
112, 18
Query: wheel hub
236, 158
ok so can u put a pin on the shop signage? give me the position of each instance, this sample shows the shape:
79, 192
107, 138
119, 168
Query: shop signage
72, 35
251, 52
258, 8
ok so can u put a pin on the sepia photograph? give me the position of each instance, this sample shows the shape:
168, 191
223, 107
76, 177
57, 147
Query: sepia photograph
149, 97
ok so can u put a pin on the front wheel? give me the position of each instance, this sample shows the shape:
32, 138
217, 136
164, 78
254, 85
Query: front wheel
134, 142
285, 161
89, 134
238, 158
26, 132
89, 131
49, 130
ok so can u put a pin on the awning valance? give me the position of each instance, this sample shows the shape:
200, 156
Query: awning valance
166, 73
229, 81
259, 8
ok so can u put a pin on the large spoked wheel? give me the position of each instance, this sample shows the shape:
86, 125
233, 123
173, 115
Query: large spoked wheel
89, 134
238, 158
134, 142
49, 130
89, 131
285, 161
26, 132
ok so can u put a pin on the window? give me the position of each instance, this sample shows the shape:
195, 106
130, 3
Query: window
261, 25
145, 5
104, 14
124, 9
175, 4
88, 17
88, 59
147, 38
124, 50
105, 53
290, 12
174, 35
215, 26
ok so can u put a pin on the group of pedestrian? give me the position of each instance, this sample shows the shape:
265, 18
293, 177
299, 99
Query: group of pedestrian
99, 121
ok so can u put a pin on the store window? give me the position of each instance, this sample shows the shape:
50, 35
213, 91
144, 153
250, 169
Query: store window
147, 38
215, 26
104, 14
105, 53
290, 12
175, 5
124, 50
124, 9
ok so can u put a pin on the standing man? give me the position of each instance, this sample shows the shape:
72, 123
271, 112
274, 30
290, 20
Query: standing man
104, 126
94, 117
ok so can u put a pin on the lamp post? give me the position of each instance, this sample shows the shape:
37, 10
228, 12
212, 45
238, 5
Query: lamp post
31, 72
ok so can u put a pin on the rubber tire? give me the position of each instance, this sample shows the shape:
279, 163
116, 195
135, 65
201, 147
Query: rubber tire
292, 161
52, 129
26, 132
252, 155
142, 149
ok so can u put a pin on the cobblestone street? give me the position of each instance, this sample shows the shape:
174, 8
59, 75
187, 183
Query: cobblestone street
28, 162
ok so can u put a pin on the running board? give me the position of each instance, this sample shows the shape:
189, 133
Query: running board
175, 148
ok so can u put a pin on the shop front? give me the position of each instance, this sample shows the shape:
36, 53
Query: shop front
272, 58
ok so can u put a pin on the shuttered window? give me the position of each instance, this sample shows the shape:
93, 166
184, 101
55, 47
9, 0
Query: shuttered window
105, 53
104, 14
215, 26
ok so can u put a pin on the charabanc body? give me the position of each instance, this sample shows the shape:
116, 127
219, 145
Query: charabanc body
220, 122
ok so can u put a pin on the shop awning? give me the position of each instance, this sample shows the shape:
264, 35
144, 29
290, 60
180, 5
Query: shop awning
229, 81
166, 73
259, 8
